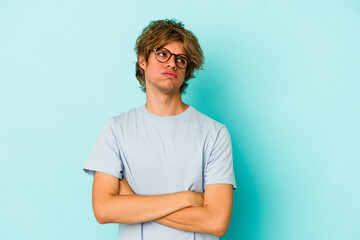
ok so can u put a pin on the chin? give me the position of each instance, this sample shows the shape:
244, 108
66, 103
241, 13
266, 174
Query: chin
169, 90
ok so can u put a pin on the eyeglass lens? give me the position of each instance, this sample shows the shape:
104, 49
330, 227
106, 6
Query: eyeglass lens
163, 55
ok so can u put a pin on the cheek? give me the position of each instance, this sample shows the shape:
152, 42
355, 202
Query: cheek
183, 74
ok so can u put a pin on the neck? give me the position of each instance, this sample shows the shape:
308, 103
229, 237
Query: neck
165, 105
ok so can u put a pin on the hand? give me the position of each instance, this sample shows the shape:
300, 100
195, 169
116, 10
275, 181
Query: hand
124, 188
196, 199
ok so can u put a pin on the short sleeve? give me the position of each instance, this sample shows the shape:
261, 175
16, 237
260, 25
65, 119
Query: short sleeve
219, 167
105, 155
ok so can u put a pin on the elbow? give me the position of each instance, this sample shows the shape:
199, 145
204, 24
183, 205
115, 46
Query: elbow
105, 214
219, 232
218, 228
101, 219
100, 214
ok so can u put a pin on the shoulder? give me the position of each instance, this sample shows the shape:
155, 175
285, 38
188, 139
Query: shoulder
208, 122
115, 124
212, 130
125, 117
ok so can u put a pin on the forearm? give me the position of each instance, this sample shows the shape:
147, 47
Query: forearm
211, 218
138, 208
194, 219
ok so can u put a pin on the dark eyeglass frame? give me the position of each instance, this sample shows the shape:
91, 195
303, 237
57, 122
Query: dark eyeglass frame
170, 55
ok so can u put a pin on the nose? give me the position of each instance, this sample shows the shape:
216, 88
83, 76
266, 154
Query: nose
171, 62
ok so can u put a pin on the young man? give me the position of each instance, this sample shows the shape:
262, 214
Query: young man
164, 170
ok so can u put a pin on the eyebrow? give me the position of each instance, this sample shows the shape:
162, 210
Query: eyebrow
175, 53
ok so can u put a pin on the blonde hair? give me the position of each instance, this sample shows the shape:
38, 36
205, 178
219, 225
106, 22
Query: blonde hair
159, 33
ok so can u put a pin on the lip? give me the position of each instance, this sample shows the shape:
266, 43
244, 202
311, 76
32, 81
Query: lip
169, 74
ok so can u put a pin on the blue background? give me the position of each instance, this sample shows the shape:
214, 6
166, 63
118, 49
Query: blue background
283, 76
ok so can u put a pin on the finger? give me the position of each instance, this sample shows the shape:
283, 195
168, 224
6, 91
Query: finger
123, 180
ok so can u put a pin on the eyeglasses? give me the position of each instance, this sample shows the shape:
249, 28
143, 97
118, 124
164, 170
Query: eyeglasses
163, 55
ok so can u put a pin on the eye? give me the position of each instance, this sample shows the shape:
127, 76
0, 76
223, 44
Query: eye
162, 54
182, 60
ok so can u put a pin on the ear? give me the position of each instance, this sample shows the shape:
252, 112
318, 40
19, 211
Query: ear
142, 62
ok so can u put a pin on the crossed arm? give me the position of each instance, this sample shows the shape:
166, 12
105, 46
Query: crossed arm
115, 202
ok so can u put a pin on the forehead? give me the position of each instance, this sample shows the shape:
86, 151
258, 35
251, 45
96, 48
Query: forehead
175, 47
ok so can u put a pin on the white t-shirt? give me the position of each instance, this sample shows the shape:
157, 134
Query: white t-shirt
161, 155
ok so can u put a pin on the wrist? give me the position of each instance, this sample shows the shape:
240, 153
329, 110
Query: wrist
187, 198
192, 199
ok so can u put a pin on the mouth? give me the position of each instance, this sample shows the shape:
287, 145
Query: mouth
168, 74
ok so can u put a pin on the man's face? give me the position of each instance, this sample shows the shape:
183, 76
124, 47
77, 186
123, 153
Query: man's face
164, 77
